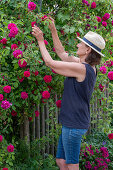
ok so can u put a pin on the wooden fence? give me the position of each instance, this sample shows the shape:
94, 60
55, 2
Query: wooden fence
39, 127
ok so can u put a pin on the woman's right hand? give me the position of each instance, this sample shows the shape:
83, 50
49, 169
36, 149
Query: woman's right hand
51, 24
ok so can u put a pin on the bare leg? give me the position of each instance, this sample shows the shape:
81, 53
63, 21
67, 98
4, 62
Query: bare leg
73, 166
61, 164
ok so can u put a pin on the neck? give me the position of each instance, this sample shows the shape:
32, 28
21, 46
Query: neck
82, 58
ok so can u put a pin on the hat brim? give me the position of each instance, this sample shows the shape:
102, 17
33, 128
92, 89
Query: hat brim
91, 46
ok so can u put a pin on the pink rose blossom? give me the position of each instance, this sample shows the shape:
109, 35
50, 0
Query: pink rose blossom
95, 27
14, 31
103, 69
1, 138
104, 152
46, 43
88, 165
5, 104
93, 5
109, 63
47, 78
14, 46
11, 35
44, 17
1, 97
10, 148
31, 6
7, 89
58, 103
37, 113
5, 169
106, 16
33, 23
45, 94
14, 113
22, 63
26, 73
4, 41
104, 23
110, 75
24, 95
17, 53
11, 25
98, 19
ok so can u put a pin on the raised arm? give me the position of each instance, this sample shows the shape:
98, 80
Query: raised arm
68, 69
58, 45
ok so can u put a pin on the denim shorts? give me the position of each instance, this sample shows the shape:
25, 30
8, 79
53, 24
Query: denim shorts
69, 144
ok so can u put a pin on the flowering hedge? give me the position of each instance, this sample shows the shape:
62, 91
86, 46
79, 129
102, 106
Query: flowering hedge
25, 79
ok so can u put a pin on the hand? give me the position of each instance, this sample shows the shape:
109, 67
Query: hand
51, 23
37, 33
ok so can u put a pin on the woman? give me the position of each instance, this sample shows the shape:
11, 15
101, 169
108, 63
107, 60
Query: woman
78, 87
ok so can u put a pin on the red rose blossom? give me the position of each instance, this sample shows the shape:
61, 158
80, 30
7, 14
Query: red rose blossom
110, 75
26, 73
1, 97
10, 148
45, 94
58, 103
47, 78
37, 113
11, 25
4, 41
106, 16
14, 31
45, 41
93, 5
104, 23
35, 73
103, 69
1, 138
5, 169
98, 19
22, 63
14, 46
110, 136
21, 80
31, 6
33, 23
30, 118
24, 95
44, 17
7, 89
14, 113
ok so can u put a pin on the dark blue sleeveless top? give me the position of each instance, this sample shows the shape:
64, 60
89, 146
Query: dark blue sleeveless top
75, 110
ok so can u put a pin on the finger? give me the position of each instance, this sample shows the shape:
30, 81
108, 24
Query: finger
51, 18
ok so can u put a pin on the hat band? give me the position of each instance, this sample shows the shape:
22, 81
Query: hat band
91, 44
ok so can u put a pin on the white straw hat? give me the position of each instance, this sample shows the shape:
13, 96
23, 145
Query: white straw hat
95, 41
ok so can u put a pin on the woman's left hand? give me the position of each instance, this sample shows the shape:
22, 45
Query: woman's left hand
37, 33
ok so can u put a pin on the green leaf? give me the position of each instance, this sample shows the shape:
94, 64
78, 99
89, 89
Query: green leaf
16, 66
72, 29
15, 84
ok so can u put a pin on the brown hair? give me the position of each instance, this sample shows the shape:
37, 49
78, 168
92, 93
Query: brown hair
93, 58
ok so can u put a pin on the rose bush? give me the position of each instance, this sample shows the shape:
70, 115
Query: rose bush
27, 80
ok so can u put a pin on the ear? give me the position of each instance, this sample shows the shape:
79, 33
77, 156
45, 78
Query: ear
89, 50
